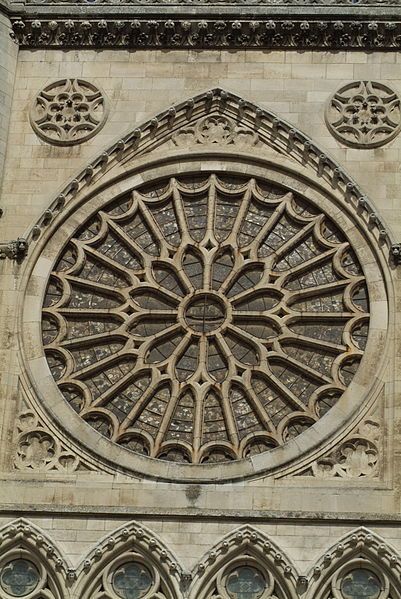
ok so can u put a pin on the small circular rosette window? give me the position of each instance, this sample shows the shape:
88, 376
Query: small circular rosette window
68, 112
205, 319
364, 114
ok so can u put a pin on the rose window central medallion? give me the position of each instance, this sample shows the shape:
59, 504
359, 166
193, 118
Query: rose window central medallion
205, 318
205, 313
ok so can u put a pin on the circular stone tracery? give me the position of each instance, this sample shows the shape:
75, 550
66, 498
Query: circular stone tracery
204, 319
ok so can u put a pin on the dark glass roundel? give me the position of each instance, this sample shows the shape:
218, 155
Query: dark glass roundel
245, 582
19, 577
361, 584
205, 319
132, 580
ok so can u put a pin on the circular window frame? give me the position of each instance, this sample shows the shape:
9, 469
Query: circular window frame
301, 449
243, 561
22, 554
357, 564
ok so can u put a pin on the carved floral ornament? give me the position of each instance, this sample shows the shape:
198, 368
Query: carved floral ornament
364, 114
68, 112
179, 32
133, 563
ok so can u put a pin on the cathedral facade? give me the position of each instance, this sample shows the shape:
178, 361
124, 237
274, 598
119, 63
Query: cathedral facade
200, 280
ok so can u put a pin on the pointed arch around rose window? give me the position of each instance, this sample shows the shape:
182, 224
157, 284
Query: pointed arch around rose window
130, 562
31, 564
244, 561
206, 305
361, 564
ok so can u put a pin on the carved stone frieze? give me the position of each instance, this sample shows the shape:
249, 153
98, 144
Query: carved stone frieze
228, 2
38, 450
216, 129
356, 457
364, 114
175, 32
15, 250
68, 112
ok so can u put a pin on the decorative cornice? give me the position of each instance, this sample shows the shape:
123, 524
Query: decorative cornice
287, 3
213, 33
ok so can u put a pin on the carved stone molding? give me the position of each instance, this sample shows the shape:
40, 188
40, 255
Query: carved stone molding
358, 549
356, 457
216, 129
287, 3
23, 540
364, 114
38, 450
270, 130
68, 112
176, 32
15, 250
244, 545
135, 552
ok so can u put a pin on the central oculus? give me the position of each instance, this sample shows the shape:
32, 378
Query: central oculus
205, 313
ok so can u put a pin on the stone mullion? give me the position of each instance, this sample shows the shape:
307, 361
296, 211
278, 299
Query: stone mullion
177, 354
155, 231
243, 209
104, 363
110, 393
166, 418
285, 393
311, 372
259, 408
120, 233
306, 265
112, 264
318, 290
268, 226
307, 228
229, 419
140, 405
95, 286
315, 343
209, 235
180, 214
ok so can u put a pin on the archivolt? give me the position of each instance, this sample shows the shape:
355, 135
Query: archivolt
130, 543
359, 544
249, 546
23, 540
247, 123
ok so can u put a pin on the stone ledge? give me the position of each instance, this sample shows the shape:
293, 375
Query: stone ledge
177, 32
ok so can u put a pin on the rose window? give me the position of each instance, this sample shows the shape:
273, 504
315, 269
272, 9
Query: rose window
204, 319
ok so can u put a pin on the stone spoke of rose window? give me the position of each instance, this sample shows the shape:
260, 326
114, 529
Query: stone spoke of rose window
205, 318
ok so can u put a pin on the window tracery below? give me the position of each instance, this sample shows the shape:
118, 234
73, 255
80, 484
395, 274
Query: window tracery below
205, 318
129, 577
245, 578
360, 579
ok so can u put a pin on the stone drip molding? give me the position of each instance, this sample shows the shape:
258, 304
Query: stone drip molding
175, 32
23, 534
360, 543
271, 131
246, 540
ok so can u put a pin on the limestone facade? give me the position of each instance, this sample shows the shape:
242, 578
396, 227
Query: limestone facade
78, 505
